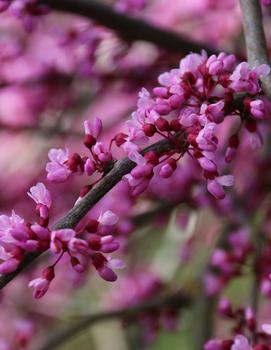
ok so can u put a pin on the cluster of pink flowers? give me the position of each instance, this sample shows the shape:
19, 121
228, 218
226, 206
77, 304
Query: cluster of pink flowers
186, 109
87, 246
138, 287
244, 323
62, 163
228, 262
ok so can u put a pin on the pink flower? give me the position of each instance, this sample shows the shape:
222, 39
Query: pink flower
108, 218
133, 153
60, 239
266, 327
214, 65
102, 152
245, 79
240, 343
40, 286
93, 127
89, 167
101, 265
78, 246
212, 284
142, 171
42, 232
215, 186
206, 138
12, 230
207, 164
9, 266
229, 61
214, 344
107, 274
57, 169
191, 62
168, 169
214, 111
40, 195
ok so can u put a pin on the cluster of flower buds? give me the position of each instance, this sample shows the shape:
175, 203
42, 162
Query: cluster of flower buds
187, 108
142, 286
63, 163
87, 246
244, 323
226, 263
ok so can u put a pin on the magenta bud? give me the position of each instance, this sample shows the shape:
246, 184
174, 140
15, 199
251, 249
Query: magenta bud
9, 266
160, 92
107, 274
110, 247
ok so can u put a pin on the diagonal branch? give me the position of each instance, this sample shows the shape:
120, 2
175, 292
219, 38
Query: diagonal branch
73, 217
128, 27
255, 39
174, 301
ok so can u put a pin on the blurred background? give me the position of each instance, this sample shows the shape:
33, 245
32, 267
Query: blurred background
57, 70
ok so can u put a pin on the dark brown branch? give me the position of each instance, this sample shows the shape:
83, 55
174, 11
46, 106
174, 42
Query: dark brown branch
119, 169
128, 27
255, 39
174, 301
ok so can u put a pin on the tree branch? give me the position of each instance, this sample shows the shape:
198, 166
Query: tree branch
174, 301
119, 169
255, 39
128, 27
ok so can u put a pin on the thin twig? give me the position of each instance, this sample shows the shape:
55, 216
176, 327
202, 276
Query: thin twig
174, 301
255, 39
128, 27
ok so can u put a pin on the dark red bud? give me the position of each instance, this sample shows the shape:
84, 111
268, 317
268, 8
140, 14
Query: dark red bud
149, 129
98, 260
152, 157
89, 141
227, 344
92, 226
162, 124
172, 162
175, 125
49, 273
74, 161
94, 243
191, 138
120, 139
